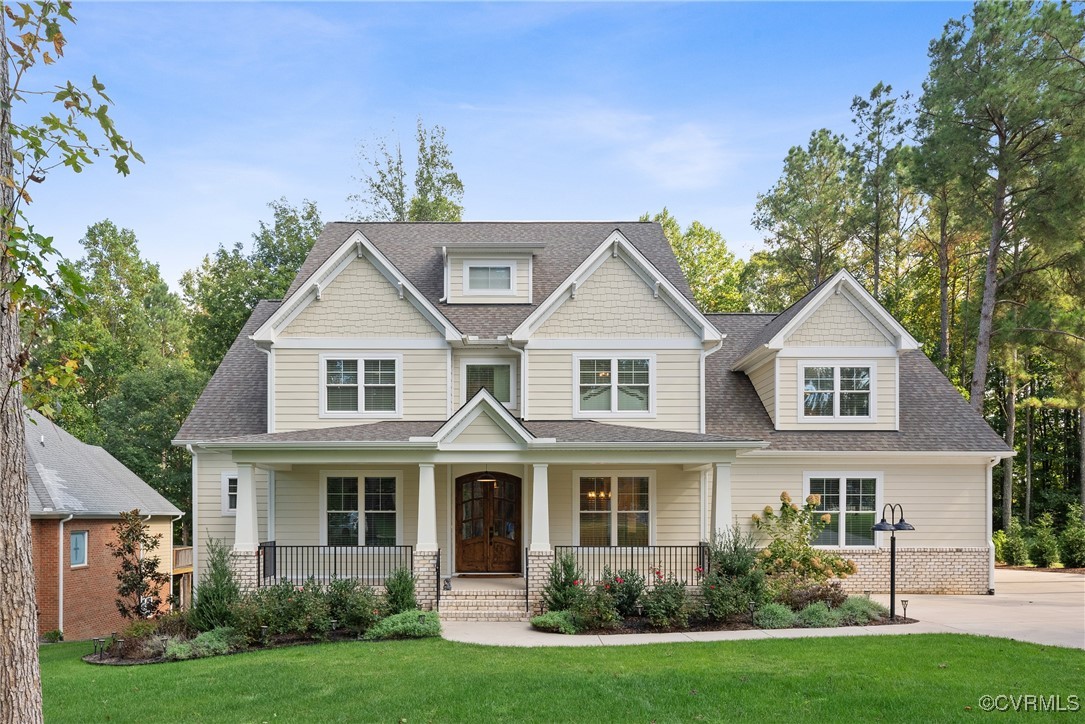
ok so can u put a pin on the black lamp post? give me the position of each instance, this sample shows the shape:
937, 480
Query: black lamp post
893, 526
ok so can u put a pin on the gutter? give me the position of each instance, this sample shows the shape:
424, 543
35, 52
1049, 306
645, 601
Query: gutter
60, 573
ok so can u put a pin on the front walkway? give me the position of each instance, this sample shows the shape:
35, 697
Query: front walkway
1044, 608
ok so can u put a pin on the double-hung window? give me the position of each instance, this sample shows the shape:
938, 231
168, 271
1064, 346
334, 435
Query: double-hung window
360, 386
361, 510
78, 548
850, 500
836, 392
229, 493
614, 509
615, 386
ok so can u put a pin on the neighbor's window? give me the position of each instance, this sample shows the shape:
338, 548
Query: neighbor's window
489, 278
836, 392
79, 548
495, 378
356, 385
614, 510
614, 385
850, 503
229, 493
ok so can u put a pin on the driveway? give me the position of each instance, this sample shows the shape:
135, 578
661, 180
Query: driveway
1036, 606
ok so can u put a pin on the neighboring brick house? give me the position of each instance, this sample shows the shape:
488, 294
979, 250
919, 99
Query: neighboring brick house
471, 398
77, 492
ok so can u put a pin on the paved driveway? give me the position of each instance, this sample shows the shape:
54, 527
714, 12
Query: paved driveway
1044, 608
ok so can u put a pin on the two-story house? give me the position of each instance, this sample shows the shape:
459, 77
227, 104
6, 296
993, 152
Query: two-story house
466, 398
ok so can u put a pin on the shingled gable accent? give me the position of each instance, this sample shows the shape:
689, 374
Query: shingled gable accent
483, 403
772, 340
356, 246
617, 245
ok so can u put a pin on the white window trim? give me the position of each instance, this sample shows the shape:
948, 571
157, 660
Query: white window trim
614, 475
614, 412
86, 549
836, 418
513, 364
322, 382
361, 475
469, 292
225, 492
843, 475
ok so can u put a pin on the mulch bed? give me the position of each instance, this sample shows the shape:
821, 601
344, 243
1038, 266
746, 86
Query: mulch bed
277, 642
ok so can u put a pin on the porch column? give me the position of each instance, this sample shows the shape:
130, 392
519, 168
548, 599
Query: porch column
721, 497
246, 527
427, 509
540, 509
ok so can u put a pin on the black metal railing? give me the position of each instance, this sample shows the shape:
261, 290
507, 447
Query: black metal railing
686, 563
437, 573
527, 581
368, 564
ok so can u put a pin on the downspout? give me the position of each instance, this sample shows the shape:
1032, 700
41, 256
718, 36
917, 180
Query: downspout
523, 376
60, 574
990, 527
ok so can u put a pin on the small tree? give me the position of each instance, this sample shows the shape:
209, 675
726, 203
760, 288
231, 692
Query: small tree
140, 582
217, 592
791, 553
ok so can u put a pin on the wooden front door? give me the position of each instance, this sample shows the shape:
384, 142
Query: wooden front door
488, 529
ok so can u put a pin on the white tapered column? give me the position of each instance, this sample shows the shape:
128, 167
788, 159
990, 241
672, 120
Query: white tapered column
721, 497
427, 509
246, 526
540, 509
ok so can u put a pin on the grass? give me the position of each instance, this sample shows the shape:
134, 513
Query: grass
899, 678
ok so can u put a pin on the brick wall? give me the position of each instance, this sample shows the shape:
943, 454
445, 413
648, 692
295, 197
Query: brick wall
43, 545
922, 570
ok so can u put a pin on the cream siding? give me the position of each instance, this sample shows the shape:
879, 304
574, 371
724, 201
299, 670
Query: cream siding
360, 302
677, 388
885, 391
763, 378
163, 526
210, 522
522, 280
298, 378
837, 323
482, 430
944, 499
614, 303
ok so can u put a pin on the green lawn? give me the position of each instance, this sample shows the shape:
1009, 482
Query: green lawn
891, 678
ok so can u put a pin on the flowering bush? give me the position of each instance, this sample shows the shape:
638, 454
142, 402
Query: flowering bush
799, 597
285, 609
729, 597
594, 609
563, 587
625, 588
790, 558
666, 602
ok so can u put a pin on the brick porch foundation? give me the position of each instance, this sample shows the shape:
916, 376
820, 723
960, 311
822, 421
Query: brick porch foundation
922, 570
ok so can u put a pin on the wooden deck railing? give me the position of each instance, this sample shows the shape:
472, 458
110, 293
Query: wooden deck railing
182, 559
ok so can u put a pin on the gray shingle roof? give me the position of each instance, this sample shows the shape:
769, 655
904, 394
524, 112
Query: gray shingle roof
235, 400
414, 250
933, 415
70, 477
563, 431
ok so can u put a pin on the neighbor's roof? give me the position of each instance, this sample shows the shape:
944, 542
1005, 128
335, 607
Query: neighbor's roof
560, 247
70, 477
933, 415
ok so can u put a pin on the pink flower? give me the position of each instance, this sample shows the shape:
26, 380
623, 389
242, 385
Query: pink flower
618, 580
699, 569
576, 582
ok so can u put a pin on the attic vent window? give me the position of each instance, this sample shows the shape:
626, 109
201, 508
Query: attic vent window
490, 278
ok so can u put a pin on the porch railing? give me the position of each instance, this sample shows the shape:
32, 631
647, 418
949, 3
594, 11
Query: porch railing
368, 564
682, 561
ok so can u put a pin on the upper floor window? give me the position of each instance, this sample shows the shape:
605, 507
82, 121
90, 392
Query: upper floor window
79, 548
837, 392
615, 386
360, 386
495, 376
497, 278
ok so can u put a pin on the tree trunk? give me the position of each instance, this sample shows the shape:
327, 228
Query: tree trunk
1007, 464
20, 679
943, 289
990, 293
1081, 455
1029, 439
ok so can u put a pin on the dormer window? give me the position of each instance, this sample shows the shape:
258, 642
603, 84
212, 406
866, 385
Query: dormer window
836, 392
489, 277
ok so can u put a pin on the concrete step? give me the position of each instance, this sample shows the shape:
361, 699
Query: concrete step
488, 616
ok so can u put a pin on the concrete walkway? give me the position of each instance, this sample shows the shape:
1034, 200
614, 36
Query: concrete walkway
1041, 607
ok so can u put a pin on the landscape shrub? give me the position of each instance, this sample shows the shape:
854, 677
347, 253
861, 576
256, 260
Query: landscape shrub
176, 623
216, 642
217, 591
799, 597
563, 584
135, 637
732, 552
666, 603
999, 541
53, 637
790, 552
406, 625
555, 622
1044, 549
248, 616
354, 606
818, 615
1015, 549
177, 649
1072, 539
625, 588
775, 615
399, 592
594, 610
860, 610
730, 596
288, 609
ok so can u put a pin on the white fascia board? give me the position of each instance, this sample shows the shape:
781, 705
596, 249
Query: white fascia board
614, 244
356, 245
317, 444
753, 359
944, 457
483, 401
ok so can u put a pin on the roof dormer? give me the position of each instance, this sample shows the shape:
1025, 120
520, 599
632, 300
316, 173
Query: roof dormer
488, 273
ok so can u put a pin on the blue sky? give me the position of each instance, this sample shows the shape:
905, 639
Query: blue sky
552, 111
